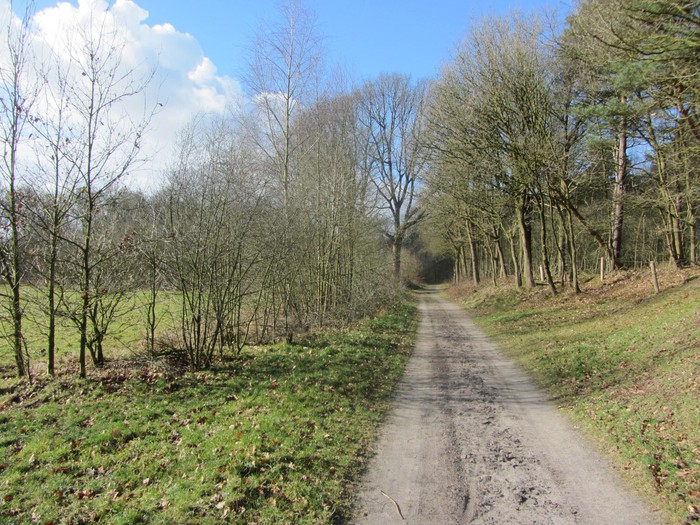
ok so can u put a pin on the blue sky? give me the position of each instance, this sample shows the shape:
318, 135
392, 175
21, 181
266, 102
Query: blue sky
365, 37
199, 48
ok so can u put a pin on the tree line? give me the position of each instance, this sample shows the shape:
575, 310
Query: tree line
272, 219
555, 147
536, 152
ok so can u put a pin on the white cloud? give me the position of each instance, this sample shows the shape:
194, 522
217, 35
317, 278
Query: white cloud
204, 73
185, 80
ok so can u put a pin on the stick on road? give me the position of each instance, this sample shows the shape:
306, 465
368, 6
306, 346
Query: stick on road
471, 440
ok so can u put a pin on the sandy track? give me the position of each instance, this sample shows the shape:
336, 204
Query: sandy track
471, 440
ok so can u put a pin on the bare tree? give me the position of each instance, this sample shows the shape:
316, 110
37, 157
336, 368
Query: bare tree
282, 78
336, 197
281, 75
16, 99
53, 197
214, 203
104, 143
152, 246
391, 115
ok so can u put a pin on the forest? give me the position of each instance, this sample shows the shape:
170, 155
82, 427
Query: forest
542, 152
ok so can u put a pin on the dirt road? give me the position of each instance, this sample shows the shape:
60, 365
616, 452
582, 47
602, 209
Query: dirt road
471, 440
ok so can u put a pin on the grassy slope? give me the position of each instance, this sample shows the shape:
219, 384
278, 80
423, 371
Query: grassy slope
625, 364
277, 437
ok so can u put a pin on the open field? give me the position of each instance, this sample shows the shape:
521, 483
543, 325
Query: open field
275, 437
624, 363
127, 333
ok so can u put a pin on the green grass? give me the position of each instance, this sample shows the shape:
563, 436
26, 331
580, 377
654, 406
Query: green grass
625, 364
275, 437
128, 331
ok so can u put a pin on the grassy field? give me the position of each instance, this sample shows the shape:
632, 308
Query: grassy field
624, 363
278, 436
127, 333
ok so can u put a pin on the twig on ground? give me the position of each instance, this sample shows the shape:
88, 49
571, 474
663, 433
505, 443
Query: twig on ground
398, 509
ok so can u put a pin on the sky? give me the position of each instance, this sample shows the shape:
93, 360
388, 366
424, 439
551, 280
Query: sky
201, 47
367, 37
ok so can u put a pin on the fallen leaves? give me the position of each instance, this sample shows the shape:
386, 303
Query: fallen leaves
84, 494
221, 446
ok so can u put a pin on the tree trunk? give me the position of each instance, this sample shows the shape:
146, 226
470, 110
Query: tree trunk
51, 350
151, 317
564, 271
476, 278
514, 258
572, 252
15, 282
83, 335
543, 242
396, 248
525, 242
494, 268
459, 263
85, 306
669, 234
619, 193
501, 260
100, 360
21, 361
13, 271
675, 240
691, 221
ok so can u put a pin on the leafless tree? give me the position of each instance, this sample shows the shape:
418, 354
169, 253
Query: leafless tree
17, 95
214, 205
391, 115
104, 143
53, 197
282, 79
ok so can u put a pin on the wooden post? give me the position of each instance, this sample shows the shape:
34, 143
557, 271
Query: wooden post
541, 273
654, 277
602, 269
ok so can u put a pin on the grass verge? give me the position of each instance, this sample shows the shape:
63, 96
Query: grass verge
275, 437
624, 363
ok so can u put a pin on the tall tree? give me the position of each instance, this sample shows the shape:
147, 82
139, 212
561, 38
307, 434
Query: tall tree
104, 145
281, 75
337, 217
282, 79
491, 117
643, 54
53, 196
16, 99
392, 118
661, 42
